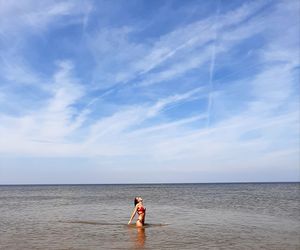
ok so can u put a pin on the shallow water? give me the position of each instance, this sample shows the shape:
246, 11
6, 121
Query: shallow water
179, 216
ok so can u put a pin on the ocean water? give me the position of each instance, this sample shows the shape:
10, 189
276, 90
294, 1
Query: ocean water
179, 216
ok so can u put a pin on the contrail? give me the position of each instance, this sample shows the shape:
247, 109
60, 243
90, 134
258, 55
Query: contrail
211, 71
212, 67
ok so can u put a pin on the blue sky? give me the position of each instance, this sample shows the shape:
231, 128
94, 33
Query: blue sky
149, 91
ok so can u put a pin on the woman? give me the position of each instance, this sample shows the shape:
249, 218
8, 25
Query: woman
140, 210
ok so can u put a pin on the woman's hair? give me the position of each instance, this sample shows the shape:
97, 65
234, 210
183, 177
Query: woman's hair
136, 201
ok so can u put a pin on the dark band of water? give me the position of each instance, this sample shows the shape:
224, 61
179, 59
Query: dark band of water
111, 224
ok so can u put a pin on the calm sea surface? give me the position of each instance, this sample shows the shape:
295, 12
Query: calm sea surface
179, 216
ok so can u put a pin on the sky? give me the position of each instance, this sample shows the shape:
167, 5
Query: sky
149, 91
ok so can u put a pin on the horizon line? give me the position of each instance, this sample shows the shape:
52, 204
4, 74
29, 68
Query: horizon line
149, 183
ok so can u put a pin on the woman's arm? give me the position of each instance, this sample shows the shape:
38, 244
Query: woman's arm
133, 214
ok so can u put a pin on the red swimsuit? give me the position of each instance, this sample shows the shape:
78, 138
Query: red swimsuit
141, 210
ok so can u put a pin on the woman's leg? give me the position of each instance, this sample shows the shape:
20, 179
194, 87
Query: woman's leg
139, 223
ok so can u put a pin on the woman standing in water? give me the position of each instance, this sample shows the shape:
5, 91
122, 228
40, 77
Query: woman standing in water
140, 210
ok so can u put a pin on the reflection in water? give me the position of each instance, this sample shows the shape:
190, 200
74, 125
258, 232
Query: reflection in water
141, 237
137, 236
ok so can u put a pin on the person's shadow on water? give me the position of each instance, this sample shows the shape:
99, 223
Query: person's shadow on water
137, 236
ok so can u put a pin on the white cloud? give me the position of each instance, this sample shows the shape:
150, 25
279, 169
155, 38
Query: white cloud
19, 20
17, 71
53, 121
15, 16
57, 120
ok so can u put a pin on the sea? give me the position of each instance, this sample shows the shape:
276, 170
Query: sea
178, 216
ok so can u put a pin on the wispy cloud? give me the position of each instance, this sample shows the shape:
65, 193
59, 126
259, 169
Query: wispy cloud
178, 50
212, 68
53, 121
15, 71
34, 16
